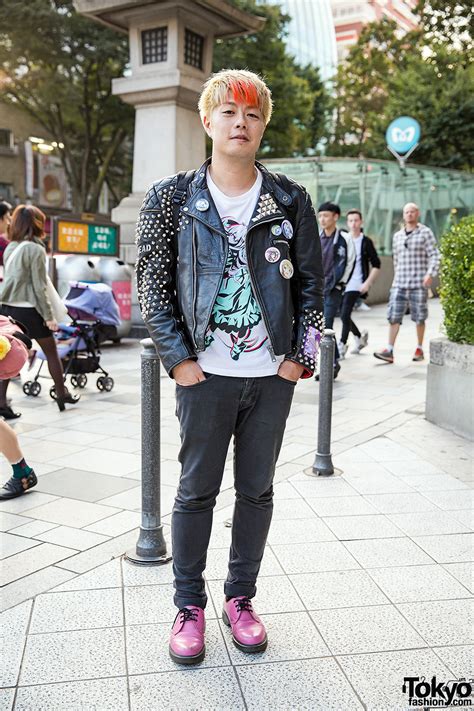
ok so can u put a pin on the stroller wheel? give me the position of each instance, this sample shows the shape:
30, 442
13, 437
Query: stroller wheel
27, 386
35, 388
108, 384
52, 392
100, 383
74, 382
81, 380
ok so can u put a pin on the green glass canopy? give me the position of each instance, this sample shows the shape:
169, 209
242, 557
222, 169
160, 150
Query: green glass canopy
380, 188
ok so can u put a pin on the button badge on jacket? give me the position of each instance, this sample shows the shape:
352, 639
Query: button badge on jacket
276, 230
202, 205
286, 269
287, 229
272, 255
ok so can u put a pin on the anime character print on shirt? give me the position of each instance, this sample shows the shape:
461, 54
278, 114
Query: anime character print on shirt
236, 311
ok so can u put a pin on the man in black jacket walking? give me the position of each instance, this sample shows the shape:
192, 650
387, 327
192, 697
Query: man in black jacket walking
230, 286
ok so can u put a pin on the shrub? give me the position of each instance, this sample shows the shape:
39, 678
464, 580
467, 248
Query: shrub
457, 281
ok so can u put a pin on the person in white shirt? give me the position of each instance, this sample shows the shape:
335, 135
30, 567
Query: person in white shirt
230, 284
366, 270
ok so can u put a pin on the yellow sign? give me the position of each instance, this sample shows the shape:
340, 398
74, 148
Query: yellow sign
72, 237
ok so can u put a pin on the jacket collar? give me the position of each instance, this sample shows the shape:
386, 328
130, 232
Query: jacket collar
268, 204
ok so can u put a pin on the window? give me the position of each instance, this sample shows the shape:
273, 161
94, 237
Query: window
6, 138
193, 49
6, 192
155, 45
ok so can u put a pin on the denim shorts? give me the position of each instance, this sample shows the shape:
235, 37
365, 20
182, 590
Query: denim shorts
416, 299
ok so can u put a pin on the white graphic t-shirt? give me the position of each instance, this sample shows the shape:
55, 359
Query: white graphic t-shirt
237, 342
357, 278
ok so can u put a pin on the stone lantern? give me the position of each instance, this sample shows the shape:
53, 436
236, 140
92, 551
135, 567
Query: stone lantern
170, 58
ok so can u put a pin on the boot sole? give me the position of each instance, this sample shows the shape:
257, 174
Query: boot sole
385, 360
196, 659
247, 648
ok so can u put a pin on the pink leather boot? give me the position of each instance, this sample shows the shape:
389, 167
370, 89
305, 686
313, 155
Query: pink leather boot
187, 636
248, 630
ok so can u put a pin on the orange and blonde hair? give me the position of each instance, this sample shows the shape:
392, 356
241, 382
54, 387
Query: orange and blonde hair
243, 86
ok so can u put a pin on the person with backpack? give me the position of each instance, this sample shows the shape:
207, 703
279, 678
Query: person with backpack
230, 285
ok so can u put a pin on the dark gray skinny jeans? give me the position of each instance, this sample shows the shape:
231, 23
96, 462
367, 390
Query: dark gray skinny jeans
254, 411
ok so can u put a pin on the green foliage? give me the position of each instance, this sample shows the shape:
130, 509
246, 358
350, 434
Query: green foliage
58, 67
427, 74
301, 101
457, 281
448, 21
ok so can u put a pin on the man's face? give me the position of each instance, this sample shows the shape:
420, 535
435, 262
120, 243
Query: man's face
5, 222
328, 220
354, 222
411, 214
236, 129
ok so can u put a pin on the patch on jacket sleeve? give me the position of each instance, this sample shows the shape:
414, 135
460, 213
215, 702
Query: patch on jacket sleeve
313, 325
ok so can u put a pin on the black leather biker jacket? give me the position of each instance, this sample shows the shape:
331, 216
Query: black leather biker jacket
181, 255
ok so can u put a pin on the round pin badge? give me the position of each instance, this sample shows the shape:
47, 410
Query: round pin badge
287, 229
272, 255
276, 230
202, 205
286, 269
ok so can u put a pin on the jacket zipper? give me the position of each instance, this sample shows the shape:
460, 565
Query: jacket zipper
194, 287
270, 347
199, 350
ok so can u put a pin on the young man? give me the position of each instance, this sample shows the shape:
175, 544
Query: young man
230, 286
338, 255
415, 262
360, 282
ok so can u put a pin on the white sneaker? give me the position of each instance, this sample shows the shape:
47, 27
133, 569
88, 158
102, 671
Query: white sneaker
360, 343
363, 307
342, 348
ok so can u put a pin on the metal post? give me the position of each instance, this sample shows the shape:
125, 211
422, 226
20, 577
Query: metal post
151, 544
323, 465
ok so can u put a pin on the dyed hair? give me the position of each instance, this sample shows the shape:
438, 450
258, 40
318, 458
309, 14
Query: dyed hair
27, 223
354, 211
243, 86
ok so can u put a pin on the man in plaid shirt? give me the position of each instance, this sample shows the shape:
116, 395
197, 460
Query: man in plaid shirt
415, 261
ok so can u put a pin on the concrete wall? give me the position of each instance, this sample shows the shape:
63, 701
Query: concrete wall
450, 386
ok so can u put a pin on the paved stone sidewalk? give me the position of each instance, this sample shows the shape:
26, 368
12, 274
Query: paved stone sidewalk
367, 576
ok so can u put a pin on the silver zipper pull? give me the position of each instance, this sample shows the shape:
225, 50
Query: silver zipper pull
272, 352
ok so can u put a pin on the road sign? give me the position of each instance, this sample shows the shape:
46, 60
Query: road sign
403, 136
73, 235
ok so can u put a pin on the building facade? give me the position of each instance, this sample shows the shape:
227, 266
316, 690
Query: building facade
30, 166
311, 39
350, 16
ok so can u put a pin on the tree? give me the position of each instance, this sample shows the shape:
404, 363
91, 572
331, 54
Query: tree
301, 101
419, 74
448, 22
362, 89
60, 73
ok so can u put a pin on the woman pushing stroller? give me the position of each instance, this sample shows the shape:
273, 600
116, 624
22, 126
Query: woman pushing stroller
25, 297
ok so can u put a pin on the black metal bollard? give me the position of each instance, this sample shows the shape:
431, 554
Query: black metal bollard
323, 465
151, 544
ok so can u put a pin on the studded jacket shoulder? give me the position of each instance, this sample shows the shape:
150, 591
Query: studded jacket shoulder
181, 254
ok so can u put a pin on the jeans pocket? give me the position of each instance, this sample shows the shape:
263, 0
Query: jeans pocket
209, 376
285, 380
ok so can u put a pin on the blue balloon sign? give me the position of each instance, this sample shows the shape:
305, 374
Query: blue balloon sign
403, 134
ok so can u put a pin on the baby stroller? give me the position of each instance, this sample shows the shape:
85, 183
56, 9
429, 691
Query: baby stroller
95, 317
